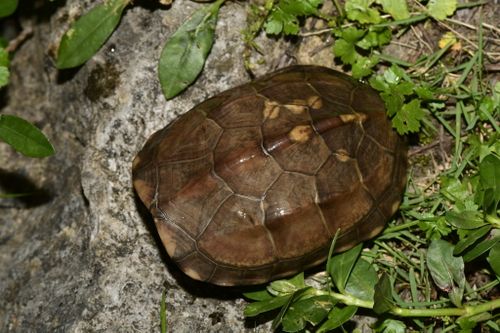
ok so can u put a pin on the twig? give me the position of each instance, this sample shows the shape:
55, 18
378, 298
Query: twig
315, 33
473, 27
21, 38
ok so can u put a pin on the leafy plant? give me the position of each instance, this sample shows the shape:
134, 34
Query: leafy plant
17, 132
284, 15
86, 36
24, 137
416, 268
184, 54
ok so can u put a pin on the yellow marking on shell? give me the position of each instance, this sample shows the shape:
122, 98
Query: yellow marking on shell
315, 102
136, 161
296, 109
271, 109
395, 206
342, 155
348, 118
192, 273
299, 102
300, 133
374, 232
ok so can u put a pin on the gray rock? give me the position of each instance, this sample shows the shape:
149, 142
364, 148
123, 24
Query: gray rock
82, 254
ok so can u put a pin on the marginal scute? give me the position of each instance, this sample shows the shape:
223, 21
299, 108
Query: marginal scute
190, 137
252, 184
194, 204
237, 234
177, 242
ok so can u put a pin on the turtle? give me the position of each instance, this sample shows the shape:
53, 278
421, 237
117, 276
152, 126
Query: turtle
252, 184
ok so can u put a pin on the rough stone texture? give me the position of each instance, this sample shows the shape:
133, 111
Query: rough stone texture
81, 254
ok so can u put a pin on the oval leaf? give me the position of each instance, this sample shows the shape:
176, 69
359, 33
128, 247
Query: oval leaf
313, 310
337, 317
489, 173
184, 54
254, 309
88, 33
362, 281
260, 295
480, 249
446, 270
468, 219
24, 137
7, 7
341, 266
440, 9
494, 258
383, 301
471, 238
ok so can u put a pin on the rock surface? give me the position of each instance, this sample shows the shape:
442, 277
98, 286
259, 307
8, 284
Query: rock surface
81, 254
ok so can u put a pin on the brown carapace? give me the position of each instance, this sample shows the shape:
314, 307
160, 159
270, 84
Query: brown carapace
252, 184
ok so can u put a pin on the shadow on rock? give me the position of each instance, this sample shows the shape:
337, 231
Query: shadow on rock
20, 190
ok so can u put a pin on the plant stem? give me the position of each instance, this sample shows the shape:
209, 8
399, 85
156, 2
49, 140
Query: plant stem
466, 311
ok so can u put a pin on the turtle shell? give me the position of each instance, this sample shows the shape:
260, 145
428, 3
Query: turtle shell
252, 184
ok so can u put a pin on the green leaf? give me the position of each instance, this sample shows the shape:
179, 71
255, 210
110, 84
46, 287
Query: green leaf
471, 238
363, 66
454, 190
424, 92
352, 34
383, 301
362, 281
293, 298
261, 295
254, 309
337, 317
391, 326
284, 16
466, 324
494, 258
465, 219
86, 36
345, 51
7, 7
163, 312
378, 83
480, 249
489, 179
4, 57
408, 118
24, 137
184, 54
375, 38
446, 270
396, 8
440, 9
359, 10
282, 287
4, 76
313, 310
435, 229
341, 266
